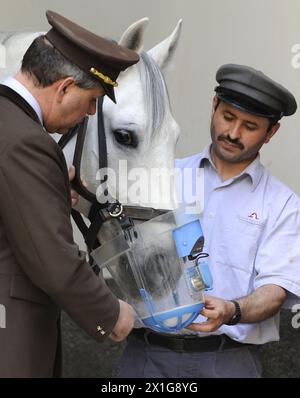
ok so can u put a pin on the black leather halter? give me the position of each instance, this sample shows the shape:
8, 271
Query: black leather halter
100, 212
80, 130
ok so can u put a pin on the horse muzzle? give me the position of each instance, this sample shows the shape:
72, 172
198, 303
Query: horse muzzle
161, 269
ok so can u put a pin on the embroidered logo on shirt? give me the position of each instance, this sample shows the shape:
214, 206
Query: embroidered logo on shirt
253, 216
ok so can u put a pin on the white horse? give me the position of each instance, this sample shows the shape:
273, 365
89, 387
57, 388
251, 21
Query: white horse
140, 129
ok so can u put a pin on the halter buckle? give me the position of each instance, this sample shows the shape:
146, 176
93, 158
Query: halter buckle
115, 210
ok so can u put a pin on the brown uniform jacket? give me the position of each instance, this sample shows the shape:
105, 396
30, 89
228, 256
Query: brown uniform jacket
41, 268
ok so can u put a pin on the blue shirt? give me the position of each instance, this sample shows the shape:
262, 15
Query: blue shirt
251, 225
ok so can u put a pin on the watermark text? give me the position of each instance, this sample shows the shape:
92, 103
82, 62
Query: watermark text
2, 317
152, 187
2, 56
296, 57
296, 318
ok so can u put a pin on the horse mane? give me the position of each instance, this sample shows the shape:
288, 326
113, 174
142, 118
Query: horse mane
156, 94
5, 36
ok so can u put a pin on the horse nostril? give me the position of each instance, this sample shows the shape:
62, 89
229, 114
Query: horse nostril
159, 274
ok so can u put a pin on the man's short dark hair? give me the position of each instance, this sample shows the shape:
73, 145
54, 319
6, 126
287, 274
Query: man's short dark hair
47, 65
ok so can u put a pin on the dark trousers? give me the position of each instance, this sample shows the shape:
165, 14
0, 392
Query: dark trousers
143, 359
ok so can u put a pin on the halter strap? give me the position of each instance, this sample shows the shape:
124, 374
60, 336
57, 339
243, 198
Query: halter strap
80, 130
96, 215
99, 213
101, 137
64, 139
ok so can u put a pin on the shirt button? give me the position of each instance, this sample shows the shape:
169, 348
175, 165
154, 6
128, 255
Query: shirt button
211, 215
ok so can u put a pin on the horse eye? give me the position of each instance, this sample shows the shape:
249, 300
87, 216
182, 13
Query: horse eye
125, 137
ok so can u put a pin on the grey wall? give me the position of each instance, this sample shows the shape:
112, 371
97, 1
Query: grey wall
260, 33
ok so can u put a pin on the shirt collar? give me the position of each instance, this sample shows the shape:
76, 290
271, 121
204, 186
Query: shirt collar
205, 156
254, 170
24, 93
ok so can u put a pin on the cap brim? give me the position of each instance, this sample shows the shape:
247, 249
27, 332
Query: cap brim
247, 105
109, 91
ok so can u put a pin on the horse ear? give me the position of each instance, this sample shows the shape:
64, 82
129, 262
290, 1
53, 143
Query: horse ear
163, 52
133, 37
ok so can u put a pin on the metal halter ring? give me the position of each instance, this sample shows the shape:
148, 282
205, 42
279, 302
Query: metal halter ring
116, 211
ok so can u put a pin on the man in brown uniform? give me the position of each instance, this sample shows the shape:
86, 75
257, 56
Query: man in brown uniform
41, 268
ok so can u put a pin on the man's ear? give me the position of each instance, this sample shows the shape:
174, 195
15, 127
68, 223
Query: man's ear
214, 104
272, 132
62, 87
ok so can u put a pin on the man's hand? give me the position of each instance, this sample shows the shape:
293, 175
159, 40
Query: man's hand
217, 311
74, 194
124, 323
263, 303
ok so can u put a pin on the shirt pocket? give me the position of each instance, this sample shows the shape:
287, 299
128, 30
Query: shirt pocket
239, 242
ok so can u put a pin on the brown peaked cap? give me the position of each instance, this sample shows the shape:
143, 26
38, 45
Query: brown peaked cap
98, 57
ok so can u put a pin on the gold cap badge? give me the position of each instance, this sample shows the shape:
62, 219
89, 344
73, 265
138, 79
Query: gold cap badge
106, 79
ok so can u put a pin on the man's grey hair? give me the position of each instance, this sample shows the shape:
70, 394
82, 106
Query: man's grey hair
47, 65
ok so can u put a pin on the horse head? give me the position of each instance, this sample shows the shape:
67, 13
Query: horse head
141, 132
141, 135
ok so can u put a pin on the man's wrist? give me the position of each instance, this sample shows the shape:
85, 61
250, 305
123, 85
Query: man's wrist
236, 316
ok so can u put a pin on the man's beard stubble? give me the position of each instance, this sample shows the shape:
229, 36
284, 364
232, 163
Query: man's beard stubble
242, 155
